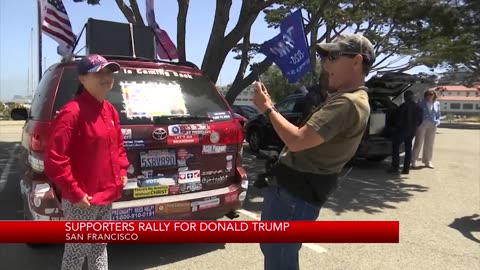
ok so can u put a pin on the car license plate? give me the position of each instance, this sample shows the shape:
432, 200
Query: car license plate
158, 158
133, 213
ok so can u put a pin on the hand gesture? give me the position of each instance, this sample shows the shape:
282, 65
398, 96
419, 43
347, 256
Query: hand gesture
85, 202
124, 180
262, 99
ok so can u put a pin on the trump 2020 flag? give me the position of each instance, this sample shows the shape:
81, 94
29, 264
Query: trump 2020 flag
165, 47
289, 49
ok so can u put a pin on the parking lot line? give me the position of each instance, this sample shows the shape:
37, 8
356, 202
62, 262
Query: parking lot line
315, 247
6, 169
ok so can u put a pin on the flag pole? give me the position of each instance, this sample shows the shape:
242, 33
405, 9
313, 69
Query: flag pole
39, 22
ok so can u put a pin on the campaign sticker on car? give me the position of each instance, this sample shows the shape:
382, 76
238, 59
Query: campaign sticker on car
220, 115
158, 158
189, 176
133, 212
150, 191
214, 149
183, 139
160, 180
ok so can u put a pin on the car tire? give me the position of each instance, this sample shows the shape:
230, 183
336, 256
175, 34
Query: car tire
28, 217
255, 140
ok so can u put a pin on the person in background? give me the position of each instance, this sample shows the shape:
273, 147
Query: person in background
86, 159
408, 118
315, 152
425, 134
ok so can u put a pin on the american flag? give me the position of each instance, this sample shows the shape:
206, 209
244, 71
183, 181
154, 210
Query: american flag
56, 24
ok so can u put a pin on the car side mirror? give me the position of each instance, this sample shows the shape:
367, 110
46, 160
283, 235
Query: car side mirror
19, 114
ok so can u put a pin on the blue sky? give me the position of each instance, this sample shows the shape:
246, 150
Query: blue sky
17, 17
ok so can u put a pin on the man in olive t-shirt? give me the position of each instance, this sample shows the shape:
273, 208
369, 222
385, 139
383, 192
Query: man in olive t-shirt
315, 153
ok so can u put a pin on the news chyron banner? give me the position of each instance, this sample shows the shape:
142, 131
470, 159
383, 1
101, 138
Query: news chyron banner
199, 232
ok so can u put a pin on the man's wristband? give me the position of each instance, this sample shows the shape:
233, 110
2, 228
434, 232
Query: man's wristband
269, 111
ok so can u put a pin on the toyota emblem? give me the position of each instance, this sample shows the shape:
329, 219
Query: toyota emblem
159, 134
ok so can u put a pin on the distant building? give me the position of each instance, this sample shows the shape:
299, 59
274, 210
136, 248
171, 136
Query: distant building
459, 99
244, 98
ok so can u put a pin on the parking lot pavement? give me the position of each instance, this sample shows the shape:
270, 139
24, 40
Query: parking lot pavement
437, 209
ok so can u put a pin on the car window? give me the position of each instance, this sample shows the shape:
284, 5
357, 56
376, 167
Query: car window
237, 109
286, 106
39, 111
140, 97
250, 110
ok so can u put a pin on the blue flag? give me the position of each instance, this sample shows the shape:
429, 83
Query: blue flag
289, 49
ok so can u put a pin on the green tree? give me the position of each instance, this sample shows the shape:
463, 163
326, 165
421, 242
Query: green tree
405, 34
277, 84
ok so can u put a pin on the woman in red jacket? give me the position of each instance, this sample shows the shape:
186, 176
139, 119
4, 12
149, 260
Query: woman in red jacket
86, 159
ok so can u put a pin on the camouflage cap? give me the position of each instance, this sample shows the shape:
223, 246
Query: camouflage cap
352, 44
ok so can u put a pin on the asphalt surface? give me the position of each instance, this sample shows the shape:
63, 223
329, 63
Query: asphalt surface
438, 212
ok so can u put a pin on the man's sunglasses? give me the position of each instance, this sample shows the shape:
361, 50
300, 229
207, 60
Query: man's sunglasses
335, 56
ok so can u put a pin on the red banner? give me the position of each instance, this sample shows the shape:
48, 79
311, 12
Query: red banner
199, 232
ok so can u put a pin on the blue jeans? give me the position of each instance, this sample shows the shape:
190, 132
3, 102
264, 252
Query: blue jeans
280, 205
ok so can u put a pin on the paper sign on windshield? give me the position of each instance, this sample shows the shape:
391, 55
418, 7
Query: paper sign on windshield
150, 99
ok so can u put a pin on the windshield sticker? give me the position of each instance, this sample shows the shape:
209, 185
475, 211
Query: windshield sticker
220, 115
160, 72
151, 99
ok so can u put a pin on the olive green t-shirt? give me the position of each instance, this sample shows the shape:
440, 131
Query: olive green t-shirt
341, 120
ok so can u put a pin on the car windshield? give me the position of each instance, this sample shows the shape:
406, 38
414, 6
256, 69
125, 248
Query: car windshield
146, 97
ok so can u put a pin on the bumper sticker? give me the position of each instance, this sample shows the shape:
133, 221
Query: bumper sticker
150, 191
133, 213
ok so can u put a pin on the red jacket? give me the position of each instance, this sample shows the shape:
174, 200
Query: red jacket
85, 154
